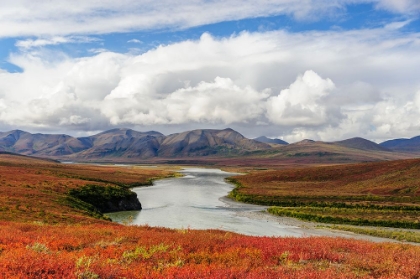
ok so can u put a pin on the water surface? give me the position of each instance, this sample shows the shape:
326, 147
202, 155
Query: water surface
196, 201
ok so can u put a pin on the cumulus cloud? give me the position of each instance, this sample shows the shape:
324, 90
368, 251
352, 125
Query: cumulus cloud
320, 85
41, 18
220, 101
302, 104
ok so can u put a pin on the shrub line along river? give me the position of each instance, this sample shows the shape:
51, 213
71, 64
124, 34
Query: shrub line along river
198, 201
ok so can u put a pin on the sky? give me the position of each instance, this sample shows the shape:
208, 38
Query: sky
291, 69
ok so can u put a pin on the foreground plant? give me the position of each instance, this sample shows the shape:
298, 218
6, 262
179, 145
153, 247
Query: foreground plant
116, 251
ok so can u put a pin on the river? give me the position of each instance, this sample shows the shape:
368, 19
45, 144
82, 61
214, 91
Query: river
196, 201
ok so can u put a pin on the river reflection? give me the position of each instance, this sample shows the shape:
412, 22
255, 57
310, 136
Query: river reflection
195, 201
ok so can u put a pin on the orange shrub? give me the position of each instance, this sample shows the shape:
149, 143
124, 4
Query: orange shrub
116, 251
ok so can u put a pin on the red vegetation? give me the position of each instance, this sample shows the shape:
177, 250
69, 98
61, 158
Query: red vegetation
392, 178
32, 192
115, 251
35, 190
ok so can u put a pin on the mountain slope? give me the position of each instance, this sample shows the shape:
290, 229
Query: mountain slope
272, 141
403, 145
124, 143
313, 152
208, 142
362, 144
25, 143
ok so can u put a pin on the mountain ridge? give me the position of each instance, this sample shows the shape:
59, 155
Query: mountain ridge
362, 144
128, 143
122, 144
270, 140
403, 145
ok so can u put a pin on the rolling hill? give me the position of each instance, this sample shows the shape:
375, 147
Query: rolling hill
403, 145
362, 144
315, 152
199, 146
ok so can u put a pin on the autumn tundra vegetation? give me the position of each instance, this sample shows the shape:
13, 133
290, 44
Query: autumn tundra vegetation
379, 194
50, 226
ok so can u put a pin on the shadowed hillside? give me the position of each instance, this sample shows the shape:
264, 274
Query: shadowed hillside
203, 146
317, 152
362, 144
272, 141
403, 145
208, 142
122, 143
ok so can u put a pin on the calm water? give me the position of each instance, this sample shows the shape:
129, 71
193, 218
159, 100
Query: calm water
194, 201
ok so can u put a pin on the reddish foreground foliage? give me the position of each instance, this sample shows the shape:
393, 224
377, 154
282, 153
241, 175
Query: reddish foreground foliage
116, 251
35, 190
31, 190
387, 179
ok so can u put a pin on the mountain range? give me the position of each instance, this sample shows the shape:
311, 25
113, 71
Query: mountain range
403, 145
127, 143
130, 145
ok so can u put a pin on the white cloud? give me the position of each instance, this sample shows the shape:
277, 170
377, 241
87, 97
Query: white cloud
56, 40
321, 85
397, 25
63, 17
302, 104
220, 101
134, 41
400, 6
98, 50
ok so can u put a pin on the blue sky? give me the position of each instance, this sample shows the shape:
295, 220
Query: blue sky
317, 69
349, 17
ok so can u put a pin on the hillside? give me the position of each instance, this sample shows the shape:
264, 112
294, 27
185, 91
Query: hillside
387, 179
362, 144
208, 142
272, 141
317, 152
202, 146
383, 194
403, 145
124, 143
127, 144
33, 189
25, 143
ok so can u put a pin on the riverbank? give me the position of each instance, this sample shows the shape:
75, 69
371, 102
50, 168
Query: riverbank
39, 190
306, 228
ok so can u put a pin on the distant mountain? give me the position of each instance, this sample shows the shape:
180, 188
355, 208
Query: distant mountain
305, 142
25, 143
127, 143
403, 145
208, 142
347, 151
362, 144
272, 141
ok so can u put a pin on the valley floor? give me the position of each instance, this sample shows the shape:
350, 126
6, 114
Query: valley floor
47, 233
329, 230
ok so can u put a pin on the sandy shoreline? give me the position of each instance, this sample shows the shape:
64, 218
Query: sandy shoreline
307, 228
